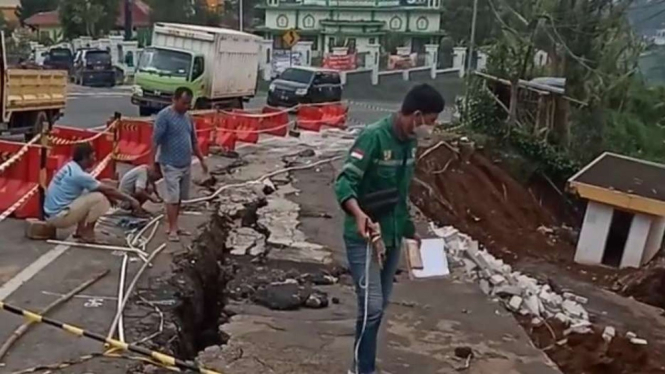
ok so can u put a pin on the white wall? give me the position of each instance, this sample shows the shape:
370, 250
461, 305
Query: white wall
272, 16
596, 226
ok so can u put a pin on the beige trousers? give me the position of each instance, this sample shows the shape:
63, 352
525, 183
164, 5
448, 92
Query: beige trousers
87, 208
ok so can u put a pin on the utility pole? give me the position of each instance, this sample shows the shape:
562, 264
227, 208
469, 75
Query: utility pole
241, 19
128, 19
472, 41
469, 59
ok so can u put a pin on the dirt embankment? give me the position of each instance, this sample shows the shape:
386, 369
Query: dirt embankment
482, 200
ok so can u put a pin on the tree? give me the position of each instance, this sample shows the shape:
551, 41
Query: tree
28, 8
194, 12
456, 21
88, 17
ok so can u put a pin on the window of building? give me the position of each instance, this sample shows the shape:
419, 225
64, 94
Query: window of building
372, 40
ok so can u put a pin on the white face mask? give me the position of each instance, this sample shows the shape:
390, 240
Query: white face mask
423, 131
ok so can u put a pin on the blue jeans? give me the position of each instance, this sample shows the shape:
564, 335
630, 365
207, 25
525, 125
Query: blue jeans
380, 285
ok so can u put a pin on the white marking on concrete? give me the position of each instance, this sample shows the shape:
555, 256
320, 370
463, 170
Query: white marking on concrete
31, 270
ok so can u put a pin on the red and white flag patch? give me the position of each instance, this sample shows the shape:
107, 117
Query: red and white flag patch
357, 154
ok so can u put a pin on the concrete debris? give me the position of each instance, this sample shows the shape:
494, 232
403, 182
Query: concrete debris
609, 333
497, 280
583, 327
631, 335
515, 303
638, 341
506, 291
523, 294
537, 322
485, 286
545, 230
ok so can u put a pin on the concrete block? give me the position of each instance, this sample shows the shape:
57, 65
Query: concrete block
574, 310
507, 291
575, 298
638, 341
609, 333
631, 335
636, 242
562, 318
537, 322
515, 303
532, 305
39, 230
469, 266
497, 280
579, 327
655, 239
485, 286
596, 226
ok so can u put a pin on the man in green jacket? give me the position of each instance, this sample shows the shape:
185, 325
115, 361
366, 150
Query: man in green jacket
373, 189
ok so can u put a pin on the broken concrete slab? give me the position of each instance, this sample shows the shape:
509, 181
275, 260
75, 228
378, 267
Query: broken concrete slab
609, 333
515, 303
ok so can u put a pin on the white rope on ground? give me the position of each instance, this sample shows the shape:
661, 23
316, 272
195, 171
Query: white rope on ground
261, 179
99, 246
21, 152
130, 289
121, 293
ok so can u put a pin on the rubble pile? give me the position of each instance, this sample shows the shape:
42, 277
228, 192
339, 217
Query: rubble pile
520, 293
556, 321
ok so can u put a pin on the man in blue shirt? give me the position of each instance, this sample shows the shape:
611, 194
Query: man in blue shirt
75, 197
175, 137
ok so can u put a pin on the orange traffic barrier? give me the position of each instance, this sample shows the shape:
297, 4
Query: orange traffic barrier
63, 139
310, 118
19, 180
205, 126
334, 115
134, 141
275, 121
244, 125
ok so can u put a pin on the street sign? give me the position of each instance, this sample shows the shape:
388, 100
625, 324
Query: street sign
290, 38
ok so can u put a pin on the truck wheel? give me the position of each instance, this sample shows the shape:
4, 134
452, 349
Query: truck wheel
38, 120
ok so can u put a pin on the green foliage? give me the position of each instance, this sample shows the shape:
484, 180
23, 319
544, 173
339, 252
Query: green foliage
88, 17
456, 21
28, 8
486, 117
194, 12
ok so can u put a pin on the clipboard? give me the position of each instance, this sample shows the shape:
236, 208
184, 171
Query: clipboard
429, 261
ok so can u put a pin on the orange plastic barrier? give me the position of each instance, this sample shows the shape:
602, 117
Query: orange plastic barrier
275, 121
19, 179
245, 125
63, 140
205, 125
310, 118
334, 115
135, 140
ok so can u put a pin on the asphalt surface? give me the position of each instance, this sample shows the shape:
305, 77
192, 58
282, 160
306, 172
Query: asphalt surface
33, 273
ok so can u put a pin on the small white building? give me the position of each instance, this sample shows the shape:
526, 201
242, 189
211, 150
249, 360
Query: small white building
326, 23
625, 215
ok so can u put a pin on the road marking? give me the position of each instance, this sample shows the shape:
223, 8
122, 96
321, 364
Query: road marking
31, 270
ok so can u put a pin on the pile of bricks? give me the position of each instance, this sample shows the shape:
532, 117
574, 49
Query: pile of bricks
519, 293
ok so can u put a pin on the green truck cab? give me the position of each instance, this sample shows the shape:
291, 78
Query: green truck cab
220, 66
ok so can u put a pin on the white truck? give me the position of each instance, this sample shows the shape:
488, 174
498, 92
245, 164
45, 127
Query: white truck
219, 65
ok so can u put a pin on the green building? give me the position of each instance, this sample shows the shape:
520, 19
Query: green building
329, 23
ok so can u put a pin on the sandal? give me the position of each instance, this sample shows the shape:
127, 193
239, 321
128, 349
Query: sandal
182, 232
174, 238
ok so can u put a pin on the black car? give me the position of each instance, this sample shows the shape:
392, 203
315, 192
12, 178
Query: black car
59, 59
302, 85
94, 67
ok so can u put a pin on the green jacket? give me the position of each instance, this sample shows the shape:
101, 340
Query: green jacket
375, 163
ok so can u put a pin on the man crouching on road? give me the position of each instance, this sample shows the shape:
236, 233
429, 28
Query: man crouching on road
139, 183
75, 197
175, 137
373, 189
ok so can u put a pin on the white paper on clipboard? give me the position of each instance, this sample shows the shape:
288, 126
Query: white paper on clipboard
435, 262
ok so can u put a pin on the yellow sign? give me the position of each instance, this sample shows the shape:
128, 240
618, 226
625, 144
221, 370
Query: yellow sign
290, 38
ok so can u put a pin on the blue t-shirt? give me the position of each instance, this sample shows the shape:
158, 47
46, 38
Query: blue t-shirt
67, 185
174, 135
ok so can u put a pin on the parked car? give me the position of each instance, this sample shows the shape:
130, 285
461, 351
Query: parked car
93, 67
301, 85
59, 59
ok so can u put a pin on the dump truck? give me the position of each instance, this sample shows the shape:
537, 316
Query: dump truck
219, 65
29, 98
